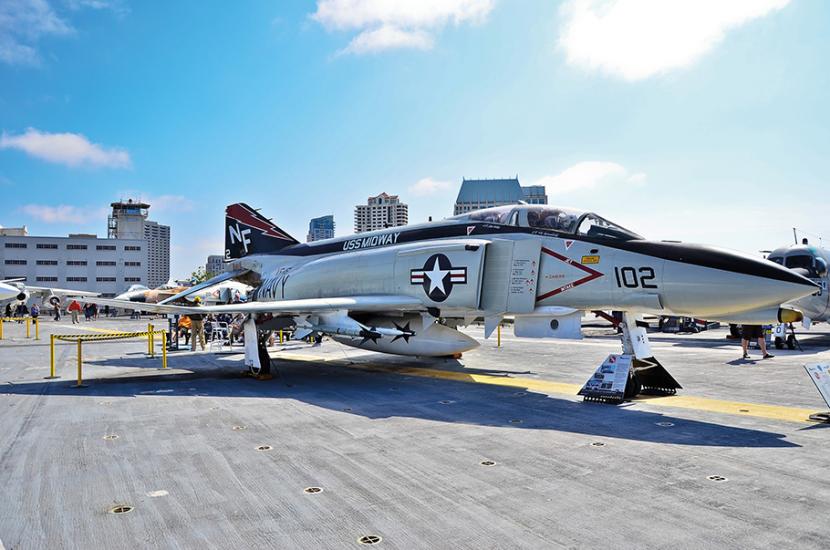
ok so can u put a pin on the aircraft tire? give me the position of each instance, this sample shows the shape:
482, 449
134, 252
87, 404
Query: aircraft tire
633, 387
790, 342
264, 358
779, 343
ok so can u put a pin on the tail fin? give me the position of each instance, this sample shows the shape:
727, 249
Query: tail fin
248, 232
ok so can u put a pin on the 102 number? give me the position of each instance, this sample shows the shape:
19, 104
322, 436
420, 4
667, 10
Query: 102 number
629, 277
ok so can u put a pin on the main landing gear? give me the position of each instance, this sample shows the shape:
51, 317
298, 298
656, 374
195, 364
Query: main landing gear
256, 351
647, 376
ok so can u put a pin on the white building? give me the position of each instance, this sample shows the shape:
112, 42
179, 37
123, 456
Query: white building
215, 265
129, 221
380, 212
77, 262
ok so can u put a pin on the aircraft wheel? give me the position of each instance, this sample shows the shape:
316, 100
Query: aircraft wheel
633, 386
264, 358
779, 343
790, 342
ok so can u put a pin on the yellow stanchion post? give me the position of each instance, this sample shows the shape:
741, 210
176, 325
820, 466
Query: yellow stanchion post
80, 383
28, 327
150, 339
280, 336
498, 336
164, 349
1, 329
52, 358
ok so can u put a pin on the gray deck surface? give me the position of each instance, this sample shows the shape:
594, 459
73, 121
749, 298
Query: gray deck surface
395, 461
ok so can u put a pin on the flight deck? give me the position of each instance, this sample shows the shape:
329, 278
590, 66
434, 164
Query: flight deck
347, 448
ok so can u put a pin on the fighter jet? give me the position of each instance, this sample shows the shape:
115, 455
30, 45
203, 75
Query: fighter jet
811, 262
405, 290
16, 290
225, 292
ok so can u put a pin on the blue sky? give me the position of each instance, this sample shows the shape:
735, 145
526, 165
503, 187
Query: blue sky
702, 121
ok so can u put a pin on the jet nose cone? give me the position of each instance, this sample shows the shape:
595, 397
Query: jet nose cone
702, 280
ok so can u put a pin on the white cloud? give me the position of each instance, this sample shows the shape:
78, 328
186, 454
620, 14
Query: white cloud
69, 149
637, 39
391, 24
387, 38
64, 213
22, 24
428, 186
589, 175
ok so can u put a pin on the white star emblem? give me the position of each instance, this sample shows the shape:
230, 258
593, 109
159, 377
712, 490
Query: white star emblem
436, 277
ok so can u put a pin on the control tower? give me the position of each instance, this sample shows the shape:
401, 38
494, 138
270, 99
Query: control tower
127, 220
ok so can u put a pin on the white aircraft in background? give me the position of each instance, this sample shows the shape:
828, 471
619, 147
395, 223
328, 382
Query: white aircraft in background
811, 262
16, 290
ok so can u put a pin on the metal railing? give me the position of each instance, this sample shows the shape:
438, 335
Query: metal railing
29, 321
80, 338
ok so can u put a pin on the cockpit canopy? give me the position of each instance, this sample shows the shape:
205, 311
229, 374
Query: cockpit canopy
804, 258
551, 218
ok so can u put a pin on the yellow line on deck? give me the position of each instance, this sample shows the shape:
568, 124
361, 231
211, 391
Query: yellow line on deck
771, 412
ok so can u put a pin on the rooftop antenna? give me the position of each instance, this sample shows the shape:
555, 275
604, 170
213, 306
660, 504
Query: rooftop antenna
795, 236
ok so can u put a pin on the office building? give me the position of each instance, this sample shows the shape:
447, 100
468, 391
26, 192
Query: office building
485, 193
380, 212
534, 194
215, 265
320, 228
158, 253
77, 262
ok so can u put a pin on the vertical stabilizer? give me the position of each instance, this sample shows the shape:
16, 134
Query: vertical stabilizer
248, 232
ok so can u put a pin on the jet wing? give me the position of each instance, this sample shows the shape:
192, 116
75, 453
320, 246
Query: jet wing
209, 283
63, 291
283, 307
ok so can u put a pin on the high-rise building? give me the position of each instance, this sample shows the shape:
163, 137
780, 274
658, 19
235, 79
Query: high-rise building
484, 193
534, 194
380, 212
320, 228
215, 265
158, 253
129, 221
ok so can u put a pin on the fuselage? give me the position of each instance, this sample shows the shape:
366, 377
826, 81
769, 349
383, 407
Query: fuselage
514, 260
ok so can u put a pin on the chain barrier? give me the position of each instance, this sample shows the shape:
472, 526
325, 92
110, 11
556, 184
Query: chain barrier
79, 338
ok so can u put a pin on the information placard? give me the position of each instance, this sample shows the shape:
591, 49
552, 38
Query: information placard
609, 381
820, 375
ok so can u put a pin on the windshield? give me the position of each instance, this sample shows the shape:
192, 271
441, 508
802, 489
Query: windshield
804, 262
556, 219
592, 225
492, 215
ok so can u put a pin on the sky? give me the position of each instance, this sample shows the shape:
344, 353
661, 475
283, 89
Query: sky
702, 121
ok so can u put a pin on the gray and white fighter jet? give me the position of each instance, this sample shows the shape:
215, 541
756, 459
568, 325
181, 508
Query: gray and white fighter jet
386, 290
